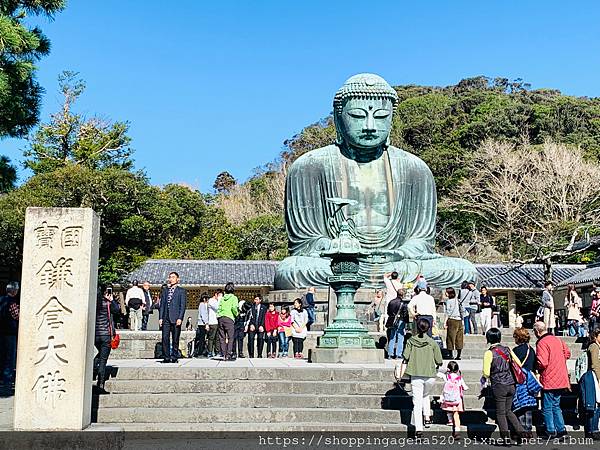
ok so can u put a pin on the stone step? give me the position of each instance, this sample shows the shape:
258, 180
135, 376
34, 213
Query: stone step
246, 400
401, 401
485, 429
305, 373
333, 416
253, 415
242, 386
266, 375
309, 397
290, 427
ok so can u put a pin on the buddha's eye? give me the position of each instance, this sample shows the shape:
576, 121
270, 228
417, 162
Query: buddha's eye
381, 114
357, 113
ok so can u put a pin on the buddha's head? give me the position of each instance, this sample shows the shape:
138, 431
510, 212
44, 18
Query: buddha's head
362, 112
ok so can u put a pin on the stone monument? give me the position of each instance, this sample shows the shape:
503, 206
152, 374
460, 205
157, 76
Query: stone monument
395, 202
53, 389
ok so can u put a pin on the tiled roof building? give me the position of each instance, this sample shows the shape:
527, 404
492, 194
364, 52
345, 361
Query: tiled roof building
260, 274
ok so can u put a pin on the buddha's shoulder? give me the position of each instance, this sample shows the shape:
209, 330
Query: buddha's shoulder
317, 155
398, 153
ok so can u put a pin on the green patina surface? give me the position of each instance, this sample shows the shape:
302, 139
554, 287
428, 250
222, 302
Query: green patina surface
345, 250
393, 202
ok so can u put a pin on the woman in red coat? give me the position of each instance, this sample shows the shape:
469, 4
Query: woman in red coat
271, 318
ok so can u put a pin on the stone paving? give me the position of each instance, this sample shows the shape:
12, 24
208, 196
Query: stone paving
6, 413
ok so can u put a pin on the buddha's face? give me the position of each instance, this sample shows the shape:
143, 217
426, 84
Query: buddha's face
366, 123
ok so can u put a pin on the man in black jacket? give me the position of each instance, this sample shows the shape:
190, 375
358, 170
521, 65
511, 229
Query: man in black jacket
170, 318
256, 327
397, 313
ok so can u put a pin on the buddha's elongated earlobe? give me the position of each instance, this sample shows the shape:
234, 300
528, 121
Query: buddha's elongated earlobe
339, 137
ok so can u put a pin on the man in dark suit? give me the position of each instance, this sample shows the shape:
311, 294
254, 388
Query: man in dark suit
170, 318
147, 306
256, 326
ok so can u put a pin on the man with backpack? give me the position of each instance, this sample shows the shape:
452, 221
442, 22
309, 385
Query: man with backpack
392, 284
397, 317
9, 327
422, 305
134, 300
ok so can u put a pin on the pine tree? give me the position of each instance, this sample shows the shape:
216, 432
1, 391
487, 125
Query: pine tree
20, 48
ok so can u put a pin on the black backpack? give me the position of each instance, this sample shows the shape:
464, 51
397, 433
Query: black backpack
402, 314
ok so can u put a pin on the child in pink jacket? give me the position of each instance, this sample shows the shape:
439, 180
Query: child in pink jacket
284, 327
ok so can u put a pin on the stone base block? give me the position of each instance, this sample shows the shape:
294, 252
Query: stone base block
346, 355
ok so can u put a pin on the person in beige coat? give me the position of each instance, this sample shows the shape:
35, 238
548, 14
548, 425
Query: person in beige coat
573, 305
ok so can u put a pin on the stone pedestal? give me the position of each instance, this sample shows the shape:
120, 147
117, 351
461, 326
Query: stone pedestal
57, 319
346, 340
346, 356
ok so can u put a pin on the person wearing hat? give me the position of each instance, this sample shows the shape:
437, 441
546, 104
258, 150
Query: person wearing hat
422, 305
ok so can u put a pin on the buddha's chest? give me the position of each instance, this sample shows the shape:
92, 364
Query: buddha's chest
367, 184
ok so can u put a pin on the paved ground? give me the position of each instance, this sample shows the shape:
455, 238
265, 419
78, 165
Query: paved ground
6, 413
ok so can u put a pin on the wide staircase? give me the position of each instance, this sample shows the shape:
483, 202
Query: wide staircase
291, 395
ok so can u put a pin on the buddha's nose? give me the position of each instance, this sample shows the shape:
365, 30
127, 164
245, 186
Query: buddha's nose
369, 123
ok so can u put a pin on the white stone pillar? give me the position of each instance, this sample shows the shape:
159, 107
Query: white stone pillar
57, 319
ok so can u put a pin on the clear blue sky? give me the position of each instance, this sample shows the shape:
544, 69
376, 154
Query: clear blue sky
213, 86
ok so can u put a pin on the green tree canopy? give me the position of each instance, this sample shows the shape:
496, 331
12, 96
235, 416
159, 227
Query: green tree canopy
20, 48
72, 139
224, 183
8, 175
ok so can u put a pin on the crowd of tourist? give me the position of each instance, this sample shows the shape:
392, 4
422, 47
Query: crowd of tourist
236, 320
518, 378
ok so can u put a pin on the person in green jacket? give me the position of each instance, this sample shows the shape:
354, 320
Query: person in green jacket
226, 314
422, 357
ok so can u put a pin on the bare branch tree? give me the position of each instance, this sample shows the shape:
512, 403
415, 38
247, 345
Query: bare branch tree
538, 203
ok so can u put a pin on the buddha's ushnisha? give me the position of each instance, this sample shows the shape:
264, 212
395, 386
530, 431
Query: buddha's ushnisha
395, 202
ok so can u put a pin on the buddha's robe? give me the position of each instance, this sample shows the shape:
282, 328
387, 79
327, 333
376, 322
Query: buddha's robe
395, 218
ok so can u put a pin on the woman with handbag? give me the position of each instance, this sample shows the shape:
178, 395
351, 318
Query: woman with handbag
106, 337
497, 368
525, 399
422, 357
